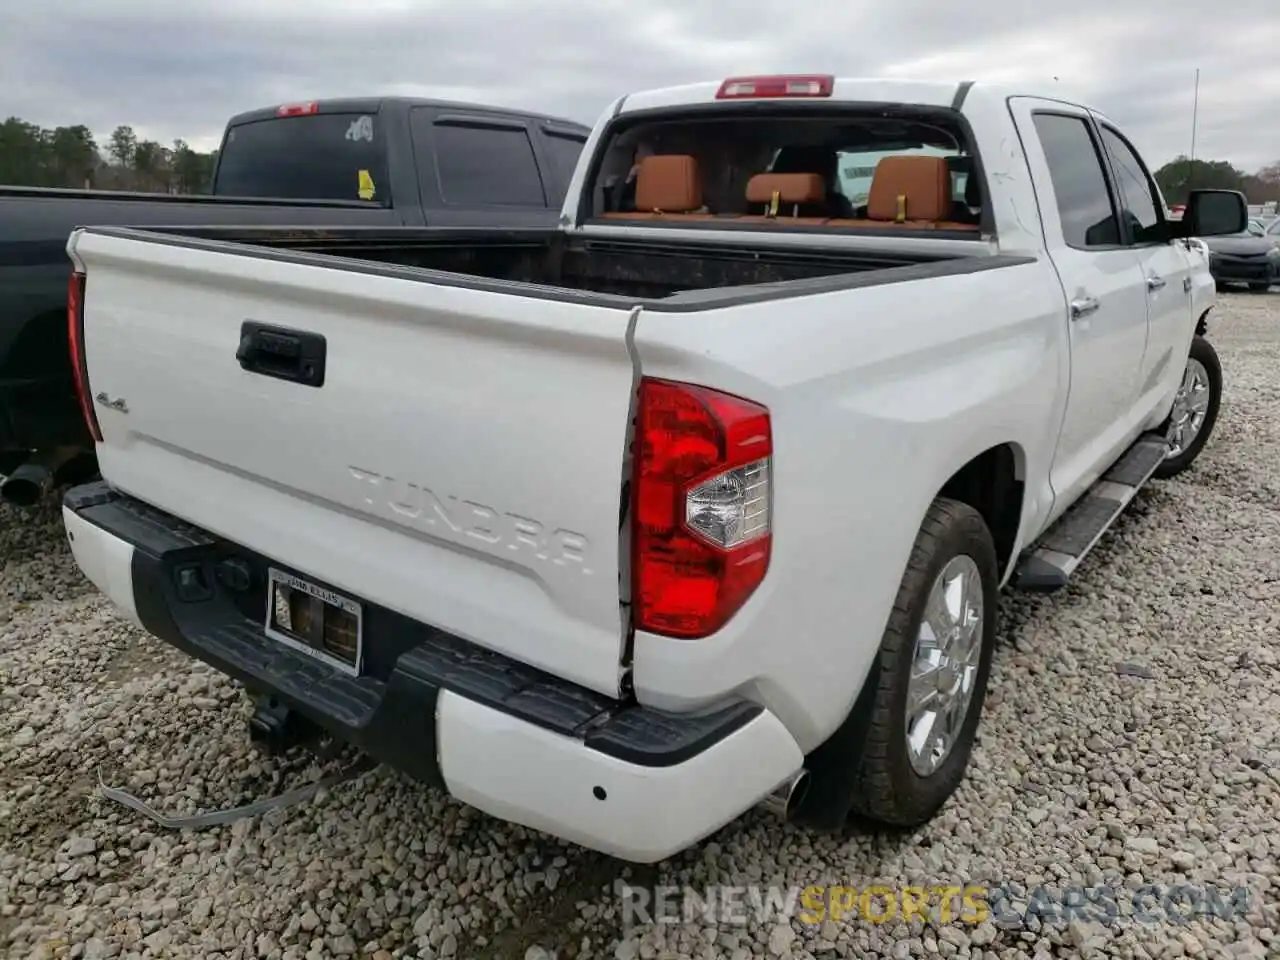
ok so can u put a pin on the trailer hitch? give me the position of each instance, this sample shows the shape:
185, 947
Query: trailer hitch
277, 729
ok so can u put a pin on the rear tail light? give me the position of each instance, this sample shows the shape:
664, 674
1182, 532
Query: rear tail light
75, 342
814, 85
701, 507
297, 109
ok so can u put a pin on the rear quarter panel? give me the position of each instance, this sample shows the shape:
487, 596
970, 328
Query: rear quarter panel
878, 395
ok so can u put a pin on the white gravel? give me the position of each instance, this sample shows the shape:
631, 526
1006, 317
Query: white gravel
1133, 734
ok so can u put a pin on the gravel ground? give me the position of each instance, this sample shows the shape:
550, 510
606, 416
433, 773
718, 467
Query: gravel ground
1132, 737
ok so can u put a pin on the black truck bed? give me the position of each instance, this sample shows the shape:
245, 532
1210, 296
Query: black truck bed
37, 396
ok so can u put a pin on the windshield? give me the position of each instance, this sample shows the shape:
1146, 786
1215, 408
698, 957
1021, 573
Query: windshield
324, 156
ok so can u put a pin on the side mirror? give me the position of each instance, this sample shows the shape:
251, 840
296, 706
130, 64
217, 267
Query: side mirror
1214, 213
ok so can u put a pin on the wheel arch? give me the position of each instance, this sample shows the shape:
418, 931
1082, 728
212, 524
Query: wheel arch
994, 483
1202, 325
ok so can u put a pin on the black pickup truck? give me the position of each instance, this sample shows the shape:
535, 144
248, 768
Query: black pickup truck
357, 164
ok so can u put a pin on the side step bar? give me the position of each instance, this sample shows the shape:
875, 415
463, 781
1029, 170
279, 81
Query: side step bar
1051, 560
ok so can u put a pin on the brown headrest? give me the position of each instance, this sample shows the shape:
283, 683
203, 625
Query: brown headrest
910, 188
668, 183
791, 188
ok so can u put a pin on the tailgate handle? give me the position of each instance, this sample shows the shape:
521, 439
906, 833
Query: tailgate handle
282, 353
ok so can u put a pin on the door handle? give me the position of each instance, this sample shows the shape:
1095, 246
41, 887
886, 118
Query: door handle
1083, 306
282, 353
1186, 284
1155, 283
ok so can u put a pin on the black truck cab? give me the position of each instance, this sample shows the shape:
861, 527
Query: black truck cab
434, 162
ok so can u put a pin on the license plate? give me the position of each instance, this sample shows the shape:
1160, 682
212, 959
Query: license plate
315, 621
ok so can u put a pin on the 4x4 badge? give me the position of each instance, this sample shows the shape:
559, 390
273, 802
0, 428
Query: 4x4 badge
106, 401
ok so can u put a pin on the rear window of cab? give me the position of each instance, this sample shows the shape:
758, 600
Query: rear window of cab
319, 156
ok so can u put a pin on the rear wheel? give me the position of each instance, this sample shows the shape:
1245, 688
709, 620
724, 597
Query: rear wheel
1195, 409
931, 674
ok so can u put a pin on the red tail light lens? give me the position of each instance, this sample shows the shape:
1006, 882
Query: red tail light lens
751, 88
701, 507
75, 341
298, 109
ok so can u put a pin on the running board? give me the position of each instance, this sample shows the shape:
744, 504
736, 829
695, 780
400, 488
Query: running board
1048, 565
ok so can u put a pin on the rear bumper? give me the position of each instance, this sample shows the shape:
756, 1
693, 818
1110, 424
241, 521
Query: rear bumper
519, 744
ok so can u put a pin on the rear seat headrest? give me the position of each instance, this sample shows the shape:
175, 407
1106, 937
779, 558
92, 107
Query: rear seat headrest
791, 188
910, 188
668, 183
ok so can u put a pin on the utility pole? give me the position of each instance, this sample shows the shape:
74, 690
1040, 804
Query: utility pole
1195, 111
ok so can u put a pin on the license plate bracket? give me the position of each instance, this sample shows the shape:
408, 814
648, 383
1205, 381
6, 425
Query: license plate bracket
315, 621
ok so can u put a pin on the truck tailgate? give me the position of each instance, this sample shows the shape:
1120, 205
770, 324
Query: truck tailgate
461, 463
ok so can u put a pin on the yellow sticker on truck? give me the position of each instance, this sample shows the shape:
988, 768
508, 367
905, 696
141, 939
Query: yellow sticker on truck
366, 188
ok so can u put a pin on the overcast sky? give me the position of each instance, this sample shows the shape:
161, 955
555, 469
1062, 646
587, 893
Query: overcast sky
180, 69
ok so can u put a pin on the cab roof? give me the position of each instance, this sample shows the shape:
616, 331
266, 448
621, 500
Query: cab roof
927, 93
374, 104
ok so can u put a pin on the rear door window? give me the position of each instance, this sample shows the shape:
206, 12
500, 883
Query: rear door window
480, 164
562, 153
1079, 181
322, 156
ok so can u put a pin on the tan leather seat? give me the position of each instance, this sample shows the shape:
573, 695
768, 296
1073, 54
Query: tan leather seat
666, 185
912, 192
669, 188
910, 189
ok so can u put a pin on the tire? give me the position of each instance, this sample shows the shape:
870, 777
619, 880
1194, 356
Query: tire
1220, 286
888, 788
1259, 287
1203, 353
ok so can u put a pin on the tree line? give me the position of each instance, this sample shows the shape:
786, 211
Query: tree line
35, 156
1182, 174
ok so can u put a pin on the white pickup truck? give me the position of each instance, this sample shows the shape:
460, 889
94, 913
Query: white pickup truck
702, 499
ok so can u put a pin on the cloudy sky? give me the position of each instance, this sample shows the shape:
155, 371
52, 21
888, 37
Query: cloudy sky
180, 69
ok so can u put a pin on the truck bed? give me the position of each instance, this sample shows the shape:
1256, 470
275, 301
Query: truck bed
545, 264
438, 421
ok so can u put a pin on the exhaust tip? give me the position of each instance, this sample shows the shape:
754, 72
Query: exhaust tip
784, 800
21, 493
31, 482
26, 486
